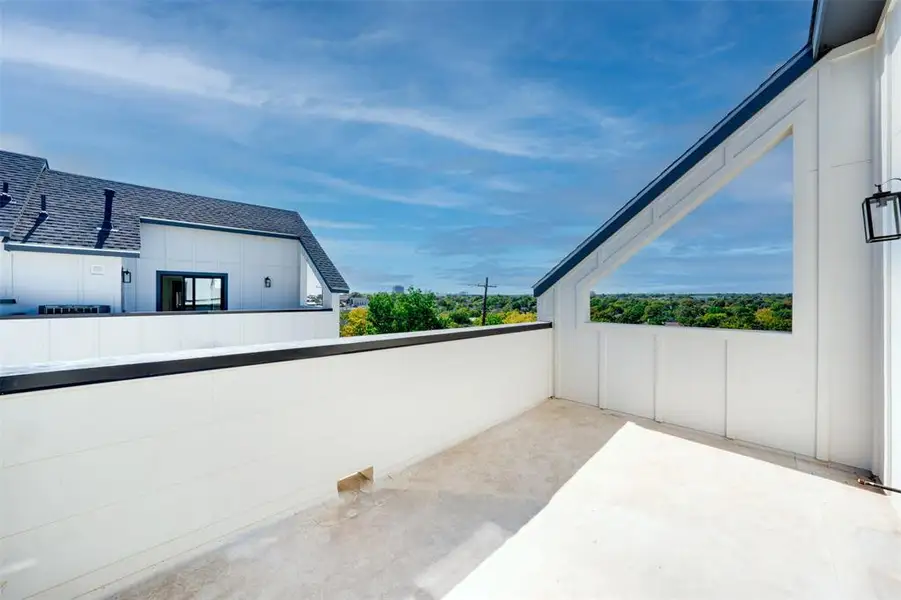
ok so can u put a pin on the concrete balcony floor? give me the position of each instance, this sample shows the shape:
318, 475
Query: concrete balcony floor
586, 504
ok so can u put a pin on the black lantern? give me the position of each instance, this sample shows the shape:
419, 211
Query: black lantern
267, 282
126, 276
882, 215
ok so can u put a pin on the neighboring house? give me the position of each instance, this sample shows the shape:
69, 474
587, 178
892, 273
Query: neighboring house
74, 240
357, 302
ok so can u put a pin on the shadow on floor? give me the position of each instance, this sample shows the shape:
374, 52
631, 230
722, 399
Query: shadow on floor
419, 532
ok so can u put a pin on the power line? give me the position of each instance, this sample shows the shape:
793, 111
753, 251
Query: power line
484, 297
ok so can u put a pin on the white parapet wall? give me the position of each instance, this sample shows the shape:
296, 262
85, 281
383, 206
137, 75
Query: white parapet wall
39, 339
105, 483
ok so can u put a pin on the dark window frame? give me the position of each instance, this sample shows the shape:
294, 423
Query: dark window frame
191, 275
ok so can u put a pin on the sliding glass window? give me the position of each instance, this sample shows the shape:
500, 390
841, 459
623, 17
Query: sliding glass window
191, 291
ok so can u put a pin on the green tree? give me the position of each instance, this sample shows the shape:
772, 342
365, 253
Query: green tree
713, 319
494, 318
461, 317
655, 313
399, 313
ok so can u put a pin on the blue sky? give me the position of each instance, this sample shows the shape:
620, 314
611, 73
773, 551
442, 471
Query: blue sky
427, 143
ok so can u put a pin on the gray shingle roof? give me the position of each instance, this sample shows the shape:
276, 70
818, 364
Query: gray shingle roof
20, 172
75, 205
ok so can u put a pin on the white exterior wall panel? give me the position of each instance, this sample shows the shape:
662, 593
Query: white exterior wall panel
36, 278
246, 259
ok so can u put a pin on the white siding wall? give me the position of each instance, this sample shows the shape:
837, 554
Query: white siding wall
100, 482
847, 345
40, 340
35, 278
247, 259
888, 146
810, 391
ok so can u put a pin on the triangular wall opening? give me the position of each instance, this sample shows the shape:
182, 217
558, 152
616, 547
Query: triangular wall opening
727, 264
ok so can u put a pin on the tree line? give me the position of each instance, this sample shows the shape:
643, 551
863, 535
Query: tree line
770, 312
417, 310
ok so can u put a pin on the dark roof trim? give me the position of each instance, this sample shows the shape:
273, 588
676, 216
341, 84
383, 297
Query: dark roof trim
222, 228
783, 77
20, 247
816, 27
44, 380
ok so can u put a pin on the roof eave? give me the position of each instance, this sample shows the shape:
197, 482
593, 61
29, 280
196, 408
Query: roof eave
816, 28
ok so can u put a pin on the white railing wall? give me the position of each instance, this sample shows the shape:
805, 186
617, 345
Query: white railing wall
747, 385
104, 483
36, 339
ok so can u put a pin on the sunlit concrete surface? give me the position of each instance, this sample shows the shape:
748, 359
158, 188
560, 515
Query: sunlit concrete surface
652, 516
654, 512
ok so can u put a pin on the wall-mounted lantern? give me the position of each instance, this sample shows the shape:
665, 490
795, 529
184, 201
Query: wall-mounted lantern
126, 276
882, 215
267, 282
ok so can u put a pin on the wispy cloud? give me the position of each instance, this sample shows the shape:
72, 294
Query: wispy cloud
326, 224
491, 145
331, 93
167, 70
438, 198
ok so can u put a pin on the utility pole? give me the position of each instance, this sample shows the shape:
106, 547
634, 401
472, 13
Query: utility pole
485, 286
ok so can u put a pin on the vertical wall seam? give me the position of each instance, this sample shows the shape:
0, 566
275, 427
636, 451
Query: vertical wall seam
821, 415
602, 369
655, 368
726, 388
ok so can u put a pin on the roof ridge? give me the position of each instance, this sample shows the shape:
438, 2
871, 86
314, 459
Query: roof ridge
170, 191
25, 155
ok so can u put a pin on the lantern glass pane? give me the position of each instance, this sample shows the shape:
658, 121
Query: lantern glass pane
884, 216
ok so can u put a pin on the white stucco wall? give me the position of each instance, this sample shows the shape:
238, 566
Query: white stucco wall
247, 259
35, 278
810, 391
50, 339
104, 482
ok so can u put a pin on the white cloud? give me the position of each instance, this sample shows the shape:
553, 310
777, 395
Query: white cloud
328, 90
167, 70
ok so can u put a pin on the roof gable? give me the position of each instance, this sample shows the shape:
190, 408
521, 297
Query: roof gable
763, 95
833, 23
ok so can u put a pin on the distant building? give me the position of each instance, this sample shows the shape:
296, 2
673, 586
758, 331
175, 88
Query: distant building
357, 302
398, 289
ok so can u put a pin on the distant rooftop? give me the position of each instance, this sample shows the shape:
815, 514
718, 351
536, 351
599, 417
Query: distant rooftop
75, 207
